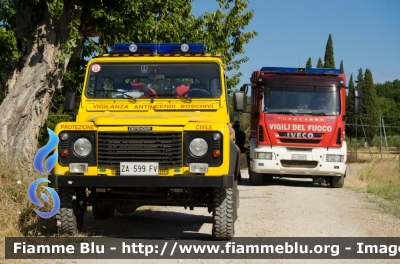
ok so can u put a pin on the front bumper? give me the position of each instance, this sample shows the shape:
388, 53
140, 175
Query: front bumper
224, 181
314, 165
322, 169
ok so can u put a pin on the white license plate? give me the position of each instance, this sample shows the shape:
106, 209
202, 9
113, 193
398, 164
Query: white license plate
299, 157
138, 168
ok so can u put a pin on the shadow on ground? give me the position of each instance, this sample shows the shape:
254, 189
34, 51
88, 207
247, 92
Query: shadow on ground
157, 222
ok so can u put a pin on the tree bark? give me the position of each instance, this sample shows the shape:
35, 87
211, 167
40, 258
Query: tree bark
33, 80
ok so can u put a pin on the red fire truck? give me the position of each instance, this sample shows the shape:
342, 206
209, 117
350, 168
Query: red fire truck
298, 124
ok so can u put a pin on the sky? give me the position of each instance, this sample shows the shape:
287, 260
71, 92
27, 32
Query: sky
365, 34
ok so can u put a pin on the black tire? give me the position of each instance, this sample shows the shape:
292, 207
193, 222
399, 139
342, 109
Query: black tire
100, 213
224, 213
337, 182
269, 178
256, 178
236, 200
69, 221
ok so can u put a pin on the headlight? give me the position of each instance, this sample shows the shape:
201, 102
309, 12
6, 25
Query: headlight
334, 158
198, 147
64, 136
216, 136
82, 147
263, 155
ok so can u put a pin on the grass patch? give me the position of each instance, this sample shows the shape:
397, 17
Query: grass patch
382, 178
17, 215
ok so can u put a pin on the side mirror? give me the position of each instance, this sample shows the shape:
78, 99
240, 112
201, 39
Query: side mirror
357, 101
244, 88
70, 99
239, 101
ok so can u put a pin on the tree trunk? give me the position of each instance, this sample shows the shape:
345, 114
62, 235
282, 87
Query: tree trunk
33, 80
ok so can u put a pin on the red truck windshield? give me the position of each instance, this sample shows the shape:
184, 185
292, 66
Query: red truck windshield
302, 100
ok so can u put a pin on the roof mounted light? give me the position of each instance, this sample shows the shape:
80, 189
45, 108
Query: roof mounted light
178, 48
323, 70
301, 70
160, 49
142, 48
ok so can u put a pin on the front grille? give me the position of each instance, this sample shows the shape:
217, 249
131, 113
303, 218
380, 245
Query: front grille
299, 163
300, 141
164, 148
299, 149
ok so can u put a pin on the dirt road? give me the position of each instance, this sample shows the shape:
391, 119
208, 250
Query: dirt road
287, 207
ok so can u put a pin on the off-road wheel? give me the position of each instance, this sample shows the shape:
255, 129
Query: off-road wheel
337, 182
256, 178
69, 218
100, 213
224, 203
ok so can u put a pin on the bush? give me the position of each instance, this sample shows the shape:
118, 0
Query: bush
392, 141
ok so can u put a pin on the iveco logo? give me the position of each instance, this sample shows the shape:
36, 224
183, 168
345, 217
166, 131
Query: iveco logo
139, 128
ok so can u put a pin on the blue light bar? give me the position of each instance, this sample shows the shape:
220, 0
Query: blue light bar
301, 70
279, 69
140, 48
161, 49
179, 48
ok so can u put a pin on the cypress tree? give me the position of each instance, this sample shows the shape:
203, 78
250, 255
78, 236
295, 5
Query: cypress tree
351, 120
309, 64
351, 82
360, 79
369, 106
329, 58
342, 68
360, 86
320, 65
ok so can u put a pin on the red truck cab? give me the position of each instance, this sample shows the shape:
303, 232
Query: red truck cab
298, 124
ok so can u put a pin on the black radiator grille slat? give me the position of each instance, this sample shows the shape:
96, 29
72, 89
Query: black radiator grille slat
305, 141
164, 148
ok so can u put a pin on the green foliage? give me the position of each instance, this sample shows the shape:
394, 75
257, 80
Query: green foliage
389, 90
341, 66
7, 13
56, 8
350, 129
390, 111
329, 57
8, 47
119, 21
52, 120
309, 63
319, 64
388, 103
151, 21
369, 103
71, 43
351, 82
392, 141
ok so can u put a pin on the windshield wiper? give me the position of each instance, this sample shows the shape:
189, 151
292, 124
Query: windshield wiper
128, 95
190, 99
283, 113
318, 114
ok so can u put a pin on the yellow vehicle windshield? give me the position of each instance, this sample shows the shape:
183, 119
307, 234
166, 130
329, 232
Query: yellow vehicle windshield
153, 80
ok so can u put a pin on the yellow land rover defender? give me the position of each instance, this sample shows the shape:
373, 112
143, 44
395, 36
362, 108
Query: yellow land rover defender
151, 129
